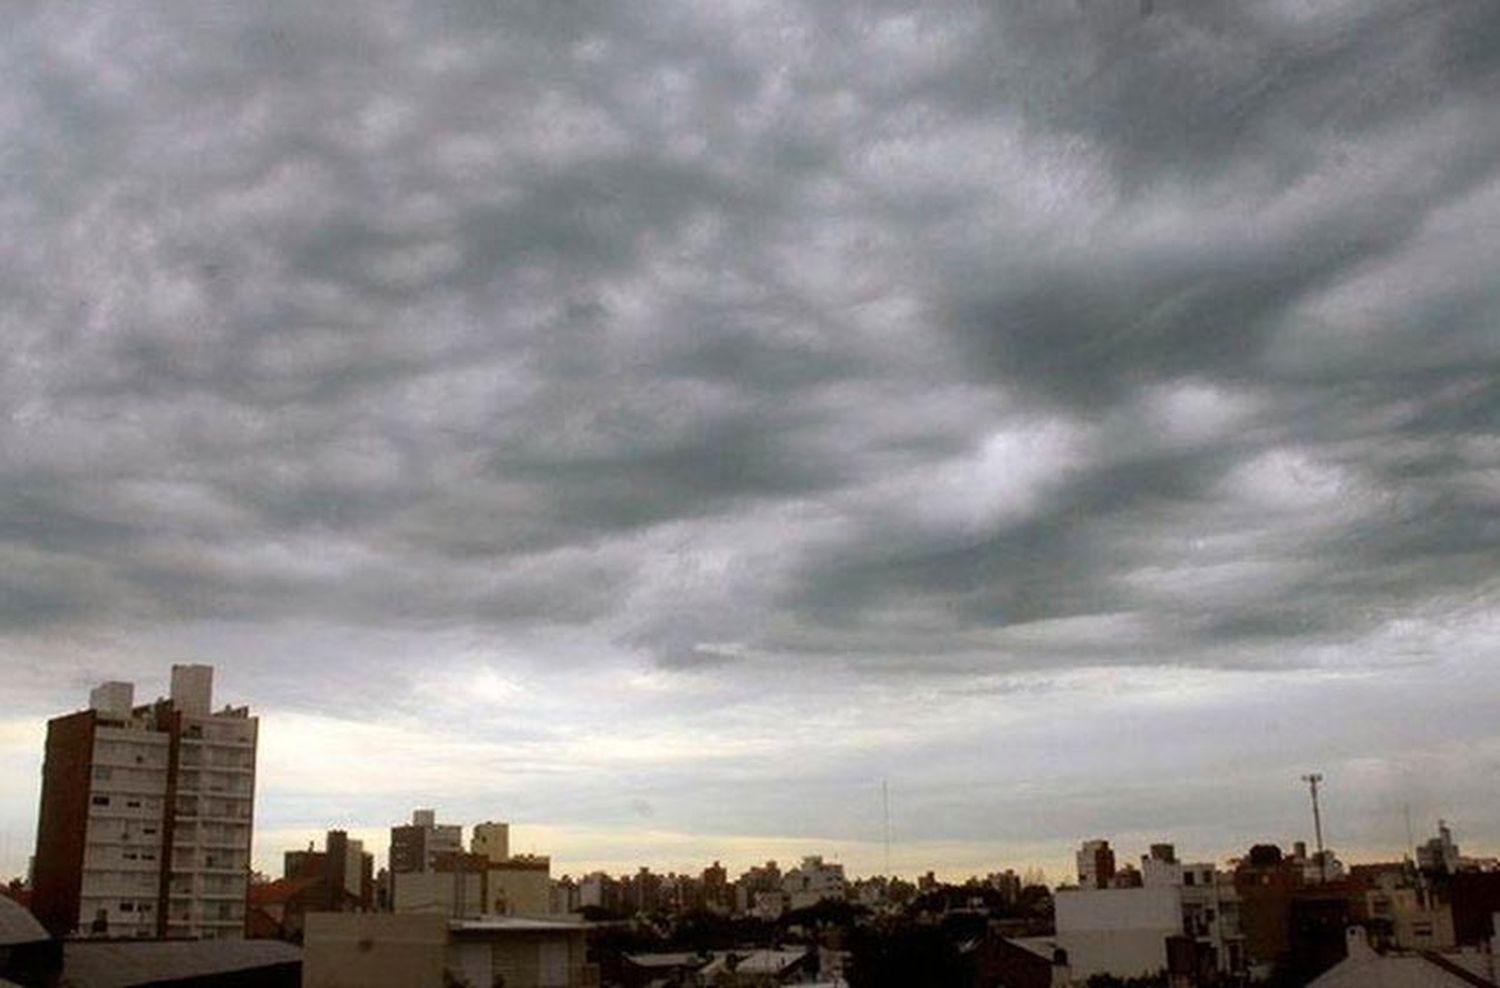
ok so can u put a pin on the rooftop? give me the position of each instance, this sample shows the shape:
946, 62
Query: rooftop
125, 963
514, 924
17, 925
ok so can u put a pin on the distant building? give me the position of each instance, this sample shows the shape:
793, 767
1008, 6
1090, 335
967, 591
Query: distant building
145, 822
1007, 883
1096, 864
486, 880
599, 891
1439, 853
339, 878
1160, 868
812, 882
716, 894
1319, 866
415, 846
760, 878
642, 892
565, 896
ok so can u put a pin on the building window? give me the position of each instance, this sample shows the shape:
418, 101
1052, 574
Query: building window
100, 800
102, 772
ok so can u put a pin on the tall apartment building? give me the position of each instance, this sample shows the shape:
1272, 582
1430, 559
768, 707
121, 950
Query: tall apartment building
145, 821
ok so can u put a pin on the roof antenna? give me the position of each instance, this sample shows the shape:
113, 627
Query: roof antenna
885, 799
1312, 780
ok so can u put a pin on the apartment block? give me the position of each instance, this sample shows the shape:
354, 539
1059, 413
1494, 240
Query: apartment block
145, 824
415, 846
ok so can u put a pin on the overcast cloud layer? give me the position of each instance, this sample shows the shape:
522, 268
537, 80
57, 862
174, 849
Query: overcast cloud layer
658, 423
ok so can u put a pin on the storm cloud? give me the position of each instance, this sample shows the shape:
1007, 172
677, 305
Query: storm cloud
855, 391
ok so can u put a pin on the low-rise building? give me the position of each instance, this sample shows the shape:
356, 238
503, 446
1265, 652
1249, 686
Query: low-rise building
382, 950
339, 878
1400, 907
1123, 930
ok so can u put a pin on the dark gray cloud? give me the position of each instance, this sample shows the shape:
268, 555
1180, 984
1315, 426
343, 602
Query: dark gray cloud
403, 291
745, 340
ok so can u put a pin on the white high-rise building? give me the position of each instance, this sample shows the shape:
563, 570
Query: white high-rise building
812, 882
146, 815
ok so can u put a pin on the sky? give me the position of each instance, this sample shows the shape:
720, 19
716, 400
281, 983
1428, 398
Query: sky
664, 425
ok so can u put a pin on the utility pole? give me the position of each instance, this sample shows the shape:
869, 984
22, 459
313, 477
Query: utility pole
1312, 780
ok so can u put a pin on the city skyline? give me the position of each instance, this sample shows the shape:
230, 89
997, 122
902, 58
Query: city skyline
192, 689
664, 425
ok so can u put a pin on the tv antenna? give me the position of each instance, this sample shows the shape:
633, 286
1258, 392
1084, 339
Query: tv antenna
885, 802
1312, 779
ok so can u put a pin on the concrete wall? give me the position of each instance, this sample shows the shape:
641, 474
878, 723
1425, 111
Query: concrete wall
1119, 909
448, 893
519, 892
525, 960
1117, 931
374, 950
1122, 953
61, 824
